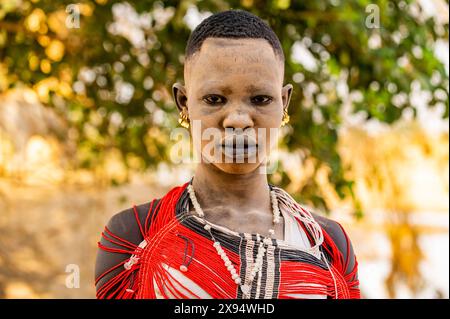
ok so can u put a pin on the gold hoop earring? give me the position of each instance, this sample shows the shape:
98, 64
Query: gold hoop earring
183, 120
285, 119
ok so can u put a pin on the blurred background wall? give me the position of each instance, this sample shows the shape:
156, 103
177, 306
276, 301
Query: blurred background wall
86, 115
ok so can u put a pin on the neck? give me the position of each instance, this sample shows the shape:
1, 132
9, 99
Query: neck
214, 188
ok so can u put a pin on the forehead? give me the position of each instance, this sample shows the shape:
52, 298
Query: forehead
232, 62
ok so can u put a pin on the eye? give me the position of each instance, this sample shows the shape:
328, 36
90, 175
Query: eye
261, 99
213, 99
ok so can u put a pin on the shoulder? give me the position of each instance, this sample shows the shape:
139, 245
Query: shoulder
128, 222
124, 226
339, 237
333, 228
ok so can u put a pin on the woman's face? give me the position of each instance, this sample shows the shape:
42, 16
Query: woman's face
234, 97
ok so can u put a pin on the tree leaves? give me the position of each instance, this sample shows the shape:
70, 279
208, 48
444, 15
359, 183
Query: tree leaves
134, 53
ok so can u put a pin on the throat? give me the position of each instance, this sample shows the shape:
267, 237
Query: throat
236, 191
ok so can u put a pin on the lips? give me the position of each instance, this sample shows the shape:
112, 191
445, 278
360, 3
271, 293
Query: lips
239, 146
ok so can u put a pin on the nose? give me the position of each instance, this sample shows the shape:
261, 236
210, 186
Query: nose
238, 119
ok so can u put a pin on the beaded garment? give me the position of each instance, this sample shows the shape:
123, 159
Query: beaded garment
177, 258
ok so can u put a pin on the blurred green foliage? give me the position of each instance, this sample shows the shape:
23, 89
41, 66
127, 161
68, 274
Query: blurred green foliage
111, 78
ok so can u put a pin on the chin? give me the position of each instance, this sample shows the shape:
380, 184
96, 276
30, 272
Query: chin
237, 168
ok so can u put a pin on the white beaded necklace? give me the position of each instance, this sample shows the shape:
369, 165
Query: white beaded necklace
261, 250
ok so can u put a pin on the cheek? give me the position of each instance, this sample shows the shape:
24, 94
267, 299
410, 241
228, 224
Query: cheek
204, 114
271, 117
272, 140
270, 122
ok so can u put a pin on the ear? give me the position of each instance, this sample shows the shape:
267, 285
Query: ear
286, 93
179, 95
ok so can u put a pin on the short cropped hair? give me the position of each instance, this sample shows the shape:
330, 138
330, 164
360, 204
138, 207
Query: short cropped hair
237, 24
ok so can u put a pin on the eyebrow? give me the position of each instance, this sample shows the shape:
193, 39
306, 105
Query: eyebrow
252, 88
210, 86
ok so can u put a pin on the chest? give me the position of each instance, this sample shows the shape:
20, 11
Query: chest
185, 257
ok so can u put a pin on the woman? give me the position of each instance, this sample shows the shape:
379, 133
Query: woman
227, 233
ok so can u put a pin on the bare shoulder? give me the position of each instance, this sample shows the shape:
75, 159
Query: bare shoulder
125, 225
340, 238
333, 228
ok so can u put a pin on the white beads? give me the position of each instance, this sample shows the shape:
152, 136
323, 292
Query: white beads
245, 290
246, 287
227, 262
183, 268
259, 257
230, 267
127, 265
275, 208
143, 244
194, 201
290, 205
133, 260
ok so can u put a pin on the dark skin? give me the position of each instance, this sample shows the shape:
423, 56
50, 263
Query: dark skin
234, 84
